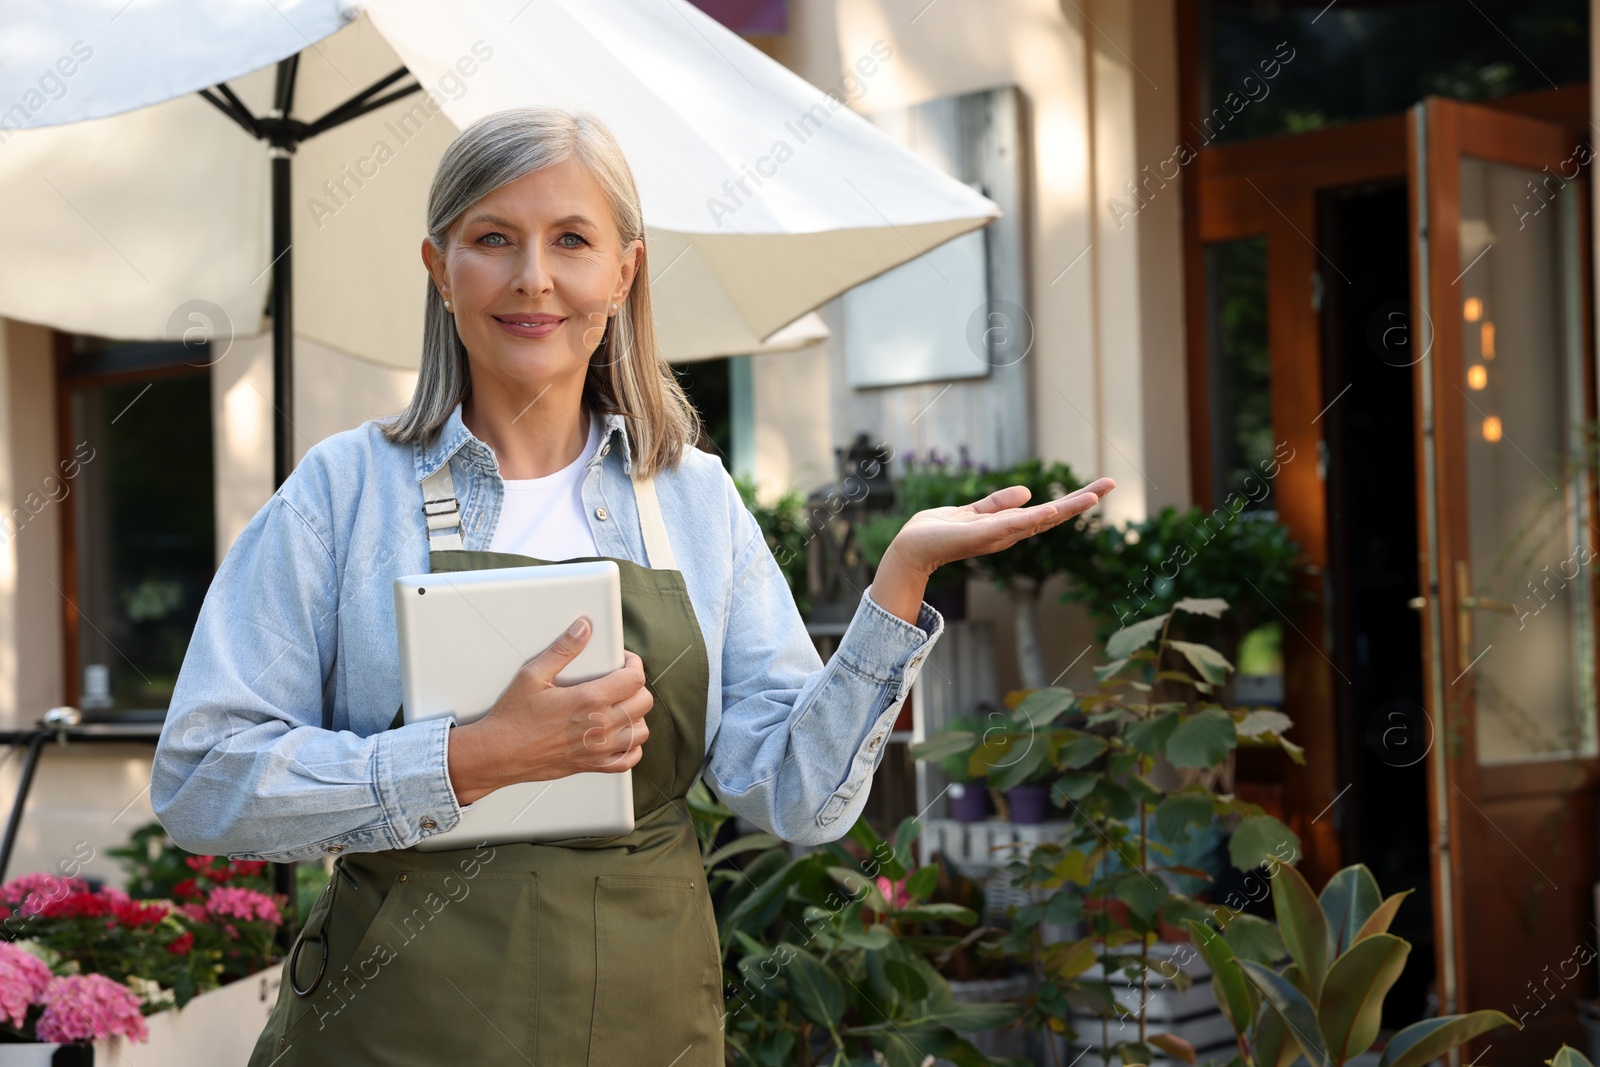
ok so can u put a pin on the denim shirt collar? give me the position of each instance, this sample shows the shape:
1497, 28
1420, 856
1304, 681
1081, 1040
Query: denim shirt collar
454, 436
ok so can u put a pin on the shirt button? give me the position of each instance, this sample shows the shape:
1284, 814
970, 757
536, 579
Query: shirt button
604, 449
334, 848
873, 744
429, 824
602, 514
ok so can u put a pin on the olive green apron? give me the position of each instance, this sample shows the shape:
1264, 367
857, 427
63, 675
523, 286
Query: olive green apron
598, 951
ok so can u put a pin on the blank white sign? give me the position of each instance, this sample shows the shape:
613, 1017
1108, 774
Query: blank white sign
912, 324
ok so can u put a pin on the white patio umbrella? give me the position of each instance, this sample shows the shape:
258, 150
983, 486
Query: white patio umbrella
139, 209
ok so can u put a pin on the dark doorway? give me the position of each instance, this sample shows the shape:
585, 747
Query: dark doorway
1369, 347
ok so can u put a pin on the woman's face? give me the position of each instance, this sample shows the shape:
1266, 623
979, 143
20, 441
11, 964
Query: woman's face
531, 272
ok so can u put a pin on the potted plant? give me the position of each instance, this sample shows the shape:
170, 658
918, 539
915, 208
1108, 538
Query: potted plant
1114, 886
825, 962
952, 748
1327, 1002
111, 973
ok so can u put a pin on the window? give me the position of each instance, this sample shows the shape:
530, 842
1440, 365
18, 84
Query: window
1240, 367
140, 535
1275, 68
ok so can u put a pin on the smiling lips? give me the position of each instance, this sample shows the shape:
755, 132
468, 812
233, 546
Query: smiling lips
529, 325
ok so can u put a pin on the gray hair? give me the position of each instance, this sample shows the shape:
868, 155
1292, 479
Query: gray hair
627, 373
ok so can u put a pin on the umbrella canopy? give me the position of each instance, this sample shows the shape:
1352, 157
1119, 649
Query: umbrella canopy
148, 209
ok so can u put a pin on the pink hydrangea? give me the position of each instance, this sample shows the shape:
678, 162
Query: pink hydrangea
31, 892
23, 977
247, 904
82, 1007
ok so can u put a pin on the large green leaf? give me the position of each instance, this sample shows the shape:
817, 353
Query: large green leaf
1422, 1043
1262, 839
1253, 938
1130, 639
1019, 765
817, 993
1567, 1056
1150, 735
1202, 740
1042, 707
1348, 901
1179, 811
1379, 921
1273, 1047
1208, 663
1212, 606
1352, 994
1081, 751
1143, 894
945, 743
1304, 928
1284, 997
1235, 995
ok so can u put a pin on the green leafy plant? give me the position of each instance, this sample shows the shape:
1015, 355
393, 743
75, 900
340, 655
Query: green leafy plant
1567, 1056
1110, 878
1326, 1004
829, 957
1020, 570
1144, 567
783, 524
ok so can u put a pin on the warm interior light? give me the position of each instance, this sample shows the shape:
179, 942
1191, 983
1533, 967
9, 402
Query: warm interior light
1487, 331
1491, 429
1477, 376
1472, 309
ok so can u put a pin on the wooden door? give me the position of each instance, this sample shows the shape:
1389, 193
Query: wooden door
1504, 390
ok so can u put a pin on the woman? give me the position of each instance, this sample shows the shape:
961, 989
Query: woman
545, 425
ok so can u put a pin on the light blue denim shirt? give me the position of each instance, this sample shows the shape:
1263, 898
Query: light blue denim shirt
276, 745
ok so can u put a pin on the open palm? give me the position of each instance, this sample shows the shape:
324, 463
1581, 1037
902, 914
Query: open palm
938, 536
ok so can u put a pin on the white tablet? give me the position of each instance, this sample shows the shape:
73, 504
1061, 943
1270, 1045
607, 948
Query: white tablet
464, 634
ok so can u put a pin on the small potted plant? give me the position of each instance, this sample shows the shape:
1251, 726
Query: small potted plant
952, 749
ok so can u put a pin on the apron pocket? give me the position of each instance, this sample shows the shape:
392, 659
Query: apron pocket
658, 973
445, 973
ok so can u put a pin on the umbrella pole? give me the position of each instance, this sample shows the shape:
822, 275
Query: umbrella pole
281, 138
282, 319
283, 133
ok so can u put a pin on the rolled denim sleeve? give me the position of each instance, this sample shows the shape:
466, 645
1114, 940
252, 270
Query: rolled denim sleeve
799, 741
244, 766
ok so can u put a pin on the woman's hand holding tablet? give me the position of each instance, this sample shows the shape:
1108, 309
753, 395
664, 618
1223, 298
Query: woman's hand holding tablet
538, 730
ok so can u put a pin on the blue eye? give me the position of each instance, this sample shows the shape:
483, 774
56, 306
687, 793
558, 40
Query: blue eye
495, 233
569, 233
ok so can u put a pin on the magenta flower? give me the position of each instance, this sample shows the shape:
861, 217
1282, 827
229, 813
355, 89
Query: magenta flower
894, 892
82, 1007
23, 977
244, 904
30, 893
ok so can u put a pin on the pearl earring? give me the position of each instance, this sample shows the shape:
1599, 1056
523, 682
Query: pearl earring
613, 309
447, 305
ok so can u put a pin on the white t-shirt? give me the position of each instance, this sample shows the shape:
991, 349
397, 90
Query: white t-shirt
544, 517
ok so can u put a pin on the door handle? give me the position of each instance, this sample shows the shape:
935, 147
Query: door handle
1483, 603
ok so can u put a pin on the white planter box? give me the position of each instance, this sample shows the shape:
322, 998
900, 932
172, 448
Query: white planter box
32, 1055
215, 1029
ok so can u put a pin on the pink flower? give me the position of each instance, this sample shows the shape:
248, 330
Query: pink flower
244, 904
31, 892
81, 1007
23, 976
894, 892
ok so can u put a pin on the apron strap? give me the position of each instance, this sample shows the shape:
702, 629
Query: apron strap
656, 544
443, 515
439, 507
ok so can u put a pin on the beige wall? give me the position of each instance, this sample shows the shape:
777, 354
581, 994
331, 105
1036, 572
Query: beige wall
333, 392
1106, 286
1105, 282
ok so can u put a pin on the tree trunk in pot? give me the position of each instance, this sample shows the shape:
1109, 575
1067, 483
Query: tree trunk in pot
1025, 615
